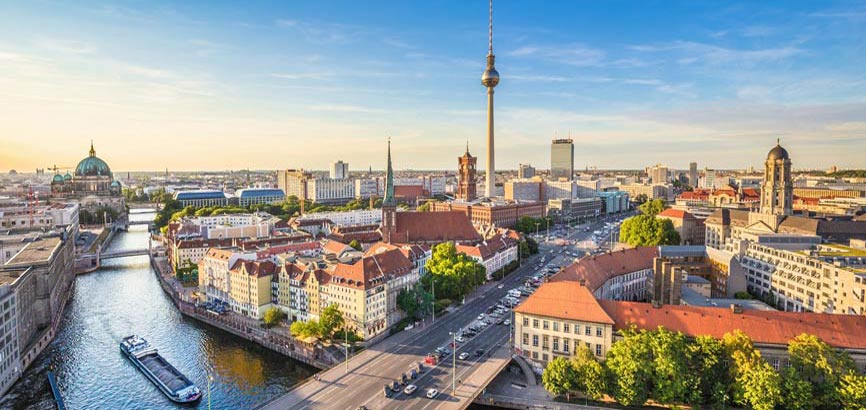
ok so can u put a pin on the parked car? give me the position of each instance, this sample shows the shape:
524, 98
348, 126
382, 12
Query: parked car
479, 352
463, 356
431, 393
410, 389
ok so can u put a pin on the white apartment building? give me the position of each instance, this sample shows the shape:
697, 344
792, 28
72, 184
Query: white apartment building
367, 187
330, 191
348, 218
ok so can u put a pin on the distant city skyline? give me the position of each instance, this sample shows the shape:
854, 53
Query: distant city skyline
219, 86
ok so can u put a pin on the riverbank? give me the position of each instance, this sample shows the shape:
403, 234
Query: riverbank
245, 328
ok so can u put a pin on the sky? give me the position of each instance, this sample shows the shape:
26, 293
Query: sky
298, 84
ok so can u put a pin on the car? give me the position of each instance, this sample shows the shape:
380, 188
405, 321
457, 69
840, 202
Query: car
499, 321
460, 339
410, 389
479, 352
431, 393
388, 392
480, 317
507, 322
395, 386
463, 356
362, 407
500, 286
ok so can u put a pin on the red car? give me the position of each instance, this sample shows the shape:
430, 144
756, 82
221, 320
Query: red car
431, 360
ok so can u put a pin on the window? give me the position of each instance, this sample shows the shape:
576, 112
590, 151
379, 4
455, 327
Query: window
544, 357
598, 331
555, 326
598, 350
776, 363
545, 325
577, 329
525, 321
535, 340
535, 355
535, 323
545, 342
565, 345
525, 339
587, 330
555, 344
566, 327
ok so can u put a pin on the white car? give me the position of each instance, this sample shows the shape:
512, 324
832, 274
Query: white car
431, 393
480, 317
463, 356
410, 389
500, 286
507, 322
460, 339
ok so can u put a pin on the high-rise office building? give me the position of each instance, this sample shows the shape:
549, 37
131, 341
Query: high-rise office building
562, 159
659, 174
339, 170
693, 174
525, 171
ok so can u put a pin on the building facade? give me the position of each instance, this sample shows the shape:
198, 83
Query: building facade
339, 170
562, 159
466, 184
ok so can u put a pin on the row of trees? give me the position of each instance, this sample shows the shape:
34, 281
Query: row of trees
528, 224
647, 230
453, 274
329, 327
670, 368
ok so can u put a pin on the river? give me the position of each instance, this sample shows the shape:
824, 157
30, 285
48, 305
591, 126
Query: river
122, 298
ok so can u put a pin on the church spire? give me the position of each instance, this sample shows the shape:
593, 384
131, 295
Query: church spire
389, 180
92, 151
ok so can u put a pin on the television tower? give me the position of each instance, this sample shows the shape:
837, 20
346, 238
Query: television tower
490, 79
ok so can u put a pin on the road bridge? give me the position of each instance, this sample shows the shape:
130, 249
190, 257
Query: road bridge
123, 254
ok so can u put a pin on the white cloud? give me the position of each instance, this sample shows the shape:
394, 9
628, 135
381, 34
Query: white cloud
694, 52
572, 54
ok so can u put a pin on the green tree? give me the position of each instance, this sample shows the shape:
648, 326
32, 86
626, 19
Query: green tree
761, 384
425, 207
640, 198
330, 321
852, 391
413, 301
630, 367
455, 274
672, 380
559, 376
531, 244
356, 245
305, 330
590, 373
709, 363
654, 207
821, 365
796, 392
647, 230
273, 316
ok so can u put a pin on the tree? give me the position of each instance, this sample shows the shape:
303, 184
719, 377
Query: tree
531, 244
590, 373
647, 230
630, 368
330, 321
425, 207
671, 379
821, 365
852, 391
640, 198
796, 392
455, 274
305, 330
356, 245
559, 376
412, 301
761, 384
273, 316
654, 207
709, 363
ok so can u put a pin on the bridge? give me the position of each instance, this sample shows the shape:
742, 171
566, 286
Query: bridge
123, 253
459, 382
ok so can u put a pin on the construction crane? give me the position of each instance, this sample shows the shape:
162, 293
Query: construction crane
55, 168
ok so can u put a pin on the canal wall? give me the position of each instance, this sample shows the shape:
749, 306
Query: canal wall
284, 345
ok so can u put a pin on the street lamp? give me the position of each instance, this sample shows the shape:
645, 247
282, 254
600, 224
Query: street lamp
433, 298
537, 224
346, 334
453, 362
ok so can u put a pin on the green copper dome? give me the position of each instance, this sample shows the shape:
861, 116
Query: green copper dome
67, 177
57, 178
92, 166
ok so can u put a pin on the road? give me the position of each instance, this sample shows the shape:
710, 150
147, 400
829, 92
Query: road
386, 361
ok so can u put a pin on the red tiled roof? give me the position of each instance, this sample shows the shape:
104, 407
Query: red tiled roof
408, 191
567, 300
696, 194
595, 270
255, 268
372, 270
335, 247
488, 248
764, 327
675, 213
434, 227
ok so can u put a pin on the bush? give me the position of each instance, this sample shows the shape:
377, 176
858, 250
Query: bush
441, 304
742, 295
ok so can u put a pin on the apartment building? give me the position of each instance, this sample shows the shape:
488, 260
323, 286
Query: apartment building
619, 275
562, 314
494, 253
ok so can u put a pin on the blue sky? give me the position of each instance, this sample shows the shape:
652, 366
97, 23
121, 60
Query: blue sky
226, 85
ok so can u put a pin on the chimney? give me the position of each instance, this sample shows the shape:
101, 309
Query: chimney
582, 282
656, 304
736, 308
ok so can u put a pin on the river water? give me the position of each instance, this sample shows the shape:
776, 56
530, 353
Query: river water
122, 298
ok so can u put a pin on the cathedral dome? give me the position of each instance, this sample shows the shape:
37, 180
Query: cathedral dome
58, 179
67, 177
777, 153
92, 166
